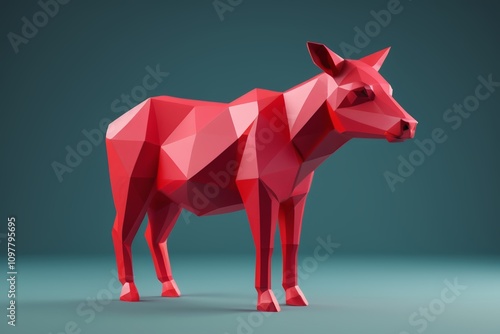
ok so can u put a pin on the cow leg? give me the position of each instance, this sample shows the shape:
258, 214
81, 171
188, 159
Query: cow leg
290, 222
162, 215
131, 202
133, 166
262, 210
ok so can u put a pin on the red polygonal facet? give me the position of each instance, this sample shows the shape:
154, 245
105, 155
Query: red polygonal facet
258, 153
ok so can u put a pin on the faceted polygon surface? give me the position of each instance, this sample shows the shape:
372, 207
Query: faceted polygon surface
256, 153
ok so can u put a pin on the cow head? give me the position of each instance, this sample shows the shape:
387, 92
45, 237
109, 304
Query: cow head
360, 100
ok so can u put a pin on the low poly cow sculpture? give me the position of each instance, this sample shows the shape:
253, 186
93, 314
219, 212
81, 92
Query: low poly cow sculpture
257, 153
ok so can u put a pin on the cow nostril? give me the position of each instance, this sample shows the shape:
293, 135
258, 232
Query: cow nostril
406, 127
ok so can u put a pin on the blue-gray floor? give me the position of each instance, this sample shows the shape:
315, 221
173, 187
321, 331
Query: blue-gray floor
346, 295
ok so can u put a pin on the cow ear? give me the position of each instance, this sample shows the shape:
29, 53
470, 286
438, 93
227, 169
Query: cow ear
376, 59
325, 58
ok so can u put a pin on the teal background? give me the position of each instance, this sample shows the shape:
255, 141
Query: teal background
445, 215
64, 80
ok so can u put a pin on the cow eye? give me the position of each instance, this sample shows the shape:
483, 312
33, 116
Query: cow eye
358, 96
361, 92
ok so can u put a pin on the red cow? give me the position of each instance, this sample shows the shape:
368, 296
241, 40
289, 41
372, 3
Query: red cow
256, 153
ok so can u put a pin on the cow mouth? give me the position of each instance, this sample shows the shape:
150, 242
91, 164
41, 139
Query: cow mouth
391, 138
400, 131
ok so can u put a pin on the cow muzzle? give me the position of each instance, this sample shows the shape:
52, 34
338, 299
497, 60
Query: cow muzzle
405, 129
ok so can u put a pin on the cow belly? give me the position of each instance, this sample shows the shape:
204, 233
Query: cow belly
207, 199
209, 190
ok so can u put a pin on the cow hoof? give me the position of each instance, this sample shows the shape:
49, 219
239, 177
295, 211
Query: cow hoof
170, 289
266, 302
129, 293
295, 297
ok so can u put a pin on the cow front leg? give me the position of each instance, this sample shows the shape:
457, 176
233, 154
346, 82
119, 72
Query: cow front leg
262, 210
290, 222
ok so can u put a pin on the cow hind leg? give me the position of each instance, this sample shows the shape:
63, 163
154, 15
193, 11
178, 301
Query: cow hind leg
131, 208
132, 171
162, 215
